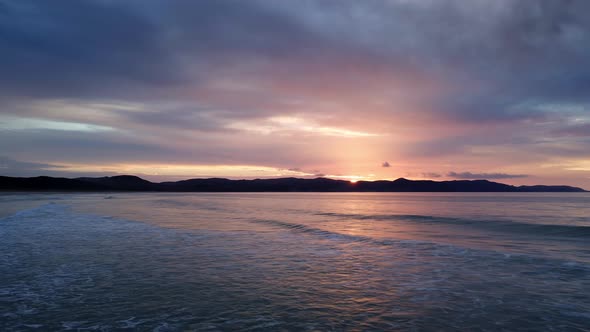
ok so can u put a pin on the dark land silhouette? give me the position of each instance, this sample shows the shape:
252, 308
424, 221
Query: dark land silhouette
134, 183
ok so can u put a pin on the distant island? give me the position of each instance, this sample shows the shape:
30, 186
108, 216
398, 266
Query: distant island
134, 183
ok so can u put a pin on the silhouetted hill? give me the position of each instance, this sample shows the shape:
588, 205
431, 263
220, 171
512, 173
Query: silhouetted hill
47, 183
546, 188
259, 185
405, 185
134, 183
125, 182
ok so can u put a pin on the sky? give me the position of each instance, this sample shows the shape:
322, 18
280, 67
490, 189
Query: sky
346, 89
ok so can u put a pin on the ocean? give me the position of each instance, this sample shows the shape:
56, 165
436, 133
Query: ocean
295, 262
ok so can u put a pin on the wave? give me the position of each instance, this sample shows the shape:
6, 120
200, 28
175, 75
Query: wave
435, 248
42, 209
575, 231
317, 231
331, 235
326, 234
184, 204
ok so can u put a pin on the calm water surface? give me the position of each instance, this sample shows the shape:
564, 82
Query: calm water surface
295, 262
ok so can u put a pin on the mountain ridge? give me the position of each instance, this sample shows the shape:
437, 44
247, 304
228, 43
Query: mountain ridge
320, 184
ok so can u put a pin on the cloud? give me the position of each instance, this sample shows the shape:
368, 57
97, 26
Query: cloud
163, 47
11, 167
489, 176
385, 164
81, 48
297, 171
9, 164
582, 130
431, 175
15, 123
274, 83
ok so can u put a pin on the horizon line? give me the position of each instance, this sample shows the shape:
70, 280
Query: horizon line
289, 177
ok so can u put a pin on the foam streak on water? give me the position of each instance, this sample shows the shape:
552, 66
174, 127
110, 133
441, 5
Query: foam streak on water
271, 262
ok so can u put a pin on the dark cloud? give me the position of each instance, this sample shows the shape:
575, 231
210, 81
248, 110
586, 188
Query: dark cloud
315, 172
489, 176
431, 175
10, 164
385, 164
582, 130
80, 48
180, 117
148, 42
97, 48
72, 146
11, 167
533, 50
56, 146
228, 28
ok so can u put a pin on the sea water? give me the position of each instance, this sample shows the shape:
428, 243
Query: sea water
295, 262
